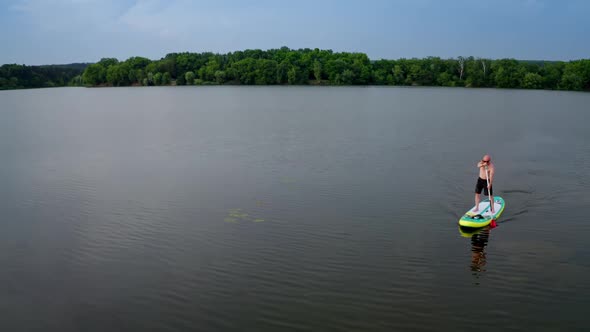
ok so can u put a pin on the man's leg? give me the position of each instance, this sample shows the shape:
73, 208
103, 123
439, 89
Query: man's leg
478, 188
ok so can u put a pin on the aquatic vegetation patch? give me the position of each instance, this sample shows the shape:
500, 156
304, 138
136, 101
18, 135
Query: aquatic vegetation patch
238, 215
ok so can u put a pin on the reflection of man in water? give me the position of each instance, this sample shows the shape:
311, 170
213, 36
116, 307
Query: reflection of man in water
478, 256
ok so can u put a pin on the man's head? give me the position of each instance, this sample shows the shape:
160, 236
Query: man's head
486, 158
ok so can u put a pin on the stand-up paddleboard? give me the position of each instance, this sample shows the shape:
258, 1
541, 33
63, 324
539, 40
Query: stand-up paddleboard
484, 215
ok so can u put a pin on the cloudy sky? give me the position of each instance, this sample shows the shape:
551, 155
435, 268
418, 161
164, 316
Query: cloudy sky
64, 31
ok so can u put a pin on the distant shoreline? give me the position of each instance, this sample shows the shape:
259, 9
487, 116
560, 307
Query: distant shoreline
313, 67
302, 85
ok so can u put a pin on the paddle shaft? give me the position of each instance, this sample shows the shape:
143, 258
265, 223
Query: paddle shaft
489, 191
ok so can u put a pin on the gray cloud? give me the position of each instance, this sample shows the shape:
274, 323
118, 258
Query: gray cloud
59, 31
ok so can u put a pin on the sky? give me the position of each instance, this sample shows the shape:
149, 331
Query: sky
38, 32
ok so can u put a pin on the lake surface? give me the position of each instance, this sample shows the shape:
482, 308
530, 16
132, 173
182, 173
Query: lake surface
291, 209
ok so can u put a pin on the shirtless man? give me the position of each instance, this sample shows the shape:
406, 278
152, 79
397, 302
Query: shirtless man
485, 165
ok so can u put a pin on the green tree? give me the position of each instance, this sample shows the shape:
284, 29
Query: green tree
106, 62
361, 69
398, 75
230, 74
189, 77
445, 79
208, 71
132, 76
334, 69
113, 74
571, 81
220, 77
282, 70
152, 67
166, 78
474, 73
181, 80
532, 81
317, 70
266, 71
303, 66
13, 76
157, 79
347, 77
416, 75
117, 75
76, 81
292, 75
380, 77
150, 78
506, 73
94, 74
245, 70
552, 73
576, 75
137, 62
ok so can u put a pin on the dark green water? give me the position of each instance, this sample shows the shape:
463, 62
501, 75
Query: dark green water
291, 209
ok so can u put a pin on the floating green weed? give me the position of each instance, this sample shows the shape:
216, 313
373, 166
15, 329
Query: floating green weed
287, 180
237, 215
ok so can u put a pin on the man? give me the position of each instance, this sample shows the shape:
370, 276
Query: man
485, 165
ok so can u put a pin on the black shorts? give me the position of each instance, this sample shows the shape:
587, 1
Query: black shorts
483, 185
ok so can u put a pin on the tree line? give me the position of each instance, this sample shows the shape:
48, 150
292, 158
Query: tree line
13, 76
286, 66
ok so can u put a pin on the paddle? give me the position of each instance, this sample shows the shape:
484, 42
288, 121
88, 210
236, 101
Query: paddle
490, 197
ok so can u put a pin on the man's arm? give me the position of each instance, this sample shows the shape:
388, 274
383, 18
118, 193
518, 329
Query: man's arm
492, 169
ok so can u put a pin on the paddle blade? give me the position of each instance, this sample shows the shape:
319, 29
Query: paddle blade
493, 224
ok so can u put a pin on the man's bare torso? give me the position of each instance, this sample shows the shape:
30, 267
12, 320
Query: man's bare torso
482, 171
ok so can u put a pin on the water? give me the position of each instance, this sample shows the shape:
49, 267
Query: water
291, 209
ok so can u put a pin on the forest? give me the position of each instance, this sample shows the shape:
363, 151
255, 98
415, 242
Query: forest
13, 76
287, 66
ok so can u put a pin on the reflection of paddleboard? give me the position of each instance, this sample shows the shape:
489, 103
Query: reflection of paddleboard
484, 216
468, 231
